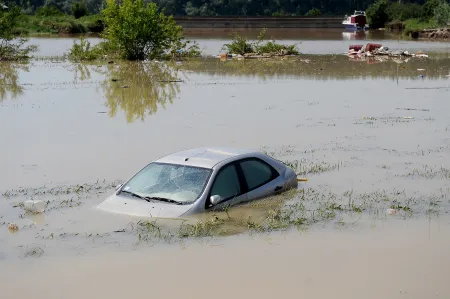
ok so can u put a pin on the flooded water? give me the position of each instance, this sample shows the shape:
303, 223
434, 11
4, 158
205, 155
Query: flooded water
370, 135
309, 41
387, 263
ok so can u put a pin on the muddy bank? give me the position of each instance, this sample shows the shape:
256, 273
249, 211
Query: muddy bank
436, 34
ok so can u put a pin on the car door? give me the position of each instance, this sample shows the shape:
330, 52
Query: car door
261, 178
228, 185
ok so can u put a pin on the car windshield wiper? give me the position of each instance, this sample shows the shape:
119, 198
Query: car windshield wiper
133, 194
148, 198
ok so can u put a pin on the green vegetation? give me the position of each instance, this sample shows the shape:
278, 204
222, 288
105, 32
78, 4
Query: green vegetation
242, 46
79, 9
313, 12
12, 48
58, 23
411, 17
139, 30
135, 30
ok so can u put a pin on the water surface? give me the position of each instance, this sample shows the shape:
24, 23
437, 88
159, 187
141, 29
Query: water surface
368, 134
309, 41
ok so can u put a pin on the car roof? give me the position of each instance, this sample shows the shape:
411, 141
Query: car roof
206, 157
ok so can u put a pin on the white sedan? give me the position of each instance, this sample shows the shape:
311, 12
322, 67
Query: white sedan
199, 180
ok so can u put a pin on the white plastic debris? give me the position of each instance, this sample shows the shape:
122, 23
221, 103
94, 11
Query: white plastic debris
420, 70
391, 211
35, 206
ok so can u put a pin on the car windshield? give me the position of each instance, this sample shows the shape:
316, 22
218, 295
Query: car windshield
179, 183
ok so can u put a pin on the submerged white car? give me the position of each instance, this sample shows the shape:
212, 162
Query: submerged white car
199, 180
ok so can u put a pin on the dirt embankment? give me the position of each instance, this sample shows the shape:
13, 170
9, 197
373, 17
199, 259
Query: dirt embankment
443, 33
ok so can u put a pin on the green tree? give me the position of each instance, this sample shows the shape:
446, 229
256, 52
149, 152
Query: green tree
79, 9
428, 9
12, 48
377, 13
139, 30
442, 14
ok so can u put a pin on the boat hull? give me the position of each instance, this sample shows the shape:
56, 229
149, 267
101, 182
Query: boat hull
355, 27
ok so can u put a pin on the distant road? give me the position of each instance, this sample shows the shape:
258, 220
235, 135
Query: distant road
259, 22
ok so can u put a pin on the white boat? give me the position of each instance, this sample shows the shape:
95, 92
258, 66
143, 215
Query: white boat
356, 21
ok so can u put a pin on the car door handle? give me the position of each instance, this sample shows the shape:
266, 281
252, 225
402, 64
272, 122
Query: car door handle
278, 188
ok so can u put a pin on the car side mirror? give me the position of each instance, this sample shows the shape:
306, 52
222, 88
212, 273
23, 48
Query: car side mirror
118, 187
215, 199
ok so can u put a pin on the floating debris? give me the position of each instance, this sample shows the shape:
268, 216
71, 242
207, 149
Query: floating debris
371, 50
13, 228
35, 206
391, 211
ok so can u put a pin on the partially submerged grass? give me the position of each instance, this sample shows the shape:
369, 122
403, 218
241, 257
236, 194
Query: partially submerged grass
58, 197
428, 172
299, 209
240, 45
303, 167
97, 187
295, 209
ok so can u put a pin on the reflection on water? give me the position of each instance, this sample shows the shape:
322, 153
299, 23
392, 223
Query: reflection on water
140, 88
324, 67
137, 88
9, 79
355, 35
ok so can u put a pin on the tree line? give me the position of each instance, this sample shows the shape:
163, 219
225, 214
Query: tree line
217, 7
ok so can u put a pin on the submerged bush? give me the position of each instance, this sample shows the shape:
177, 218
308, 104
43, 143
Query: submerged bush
84, 51
241, 45
140, 30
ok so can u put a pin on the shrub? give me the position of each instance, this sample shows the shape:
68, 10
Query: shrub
139, 30
92, 23
241, 45
84, 51
48, 11
314, 12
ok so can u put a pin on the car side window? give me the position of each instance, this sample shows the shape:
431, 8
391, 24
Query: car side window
227, 183
257, 173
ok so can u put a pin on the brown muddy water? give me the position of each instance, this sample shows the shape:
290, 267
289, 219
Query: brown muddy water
370, 135
309, 41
